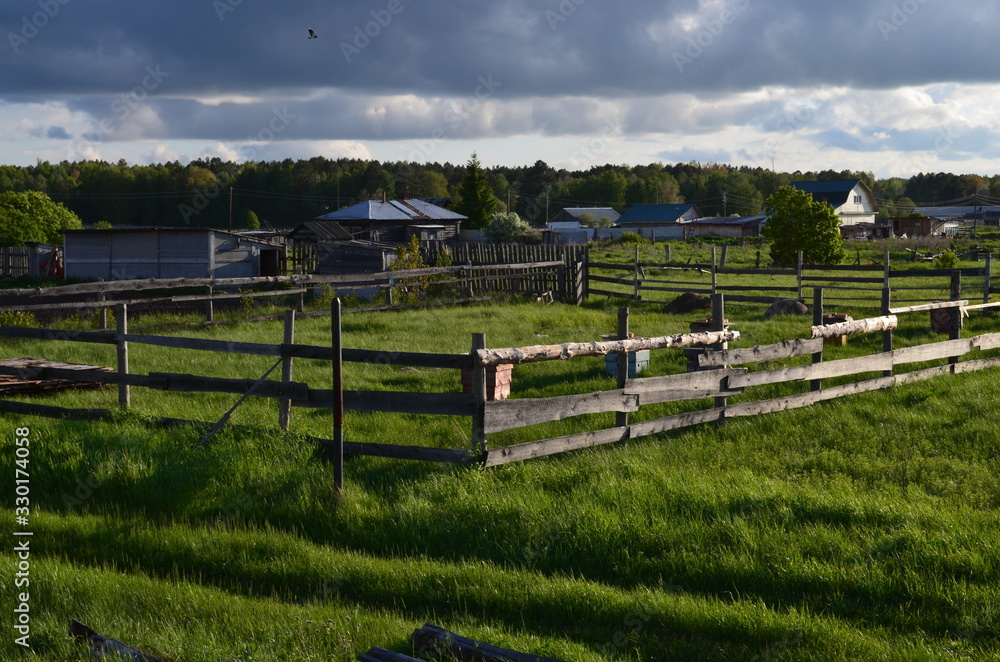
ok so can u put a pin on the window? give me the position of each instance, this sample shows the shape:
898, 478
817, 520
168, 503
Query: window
857, 199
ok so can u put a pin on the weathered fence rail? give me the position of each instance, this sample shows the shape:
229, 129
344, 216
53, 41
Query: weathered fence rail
718, 376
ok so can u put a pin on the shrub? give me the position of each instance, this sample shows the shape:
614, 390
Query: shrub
946, 260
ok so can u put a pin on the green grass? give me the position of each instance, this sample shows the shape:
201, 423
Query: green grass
863, 528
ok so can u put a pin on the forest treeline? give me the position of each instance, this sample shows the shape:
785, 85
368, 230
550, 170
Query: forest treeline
282, 194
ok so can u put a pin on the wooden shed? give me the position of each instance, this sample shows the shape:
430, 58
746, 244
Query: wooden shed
126, 253
355, 256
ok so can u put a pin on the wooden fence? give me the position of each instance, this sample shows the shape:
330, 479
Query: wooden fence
520, 278
13, 261
848, 283
716, 378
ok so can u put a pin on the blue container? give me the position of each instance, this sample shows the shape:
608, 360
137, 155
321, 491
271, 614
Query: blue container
638, 363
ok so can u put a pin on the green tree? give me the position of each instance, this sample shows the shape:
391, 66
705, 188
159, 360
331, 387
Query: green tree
796, 222
506, 228
33, 216
591, 220
478, 201
253, 223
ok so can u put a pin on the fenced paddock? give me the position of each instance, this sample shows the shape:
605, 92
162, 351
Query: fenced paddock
854, 285
728, 382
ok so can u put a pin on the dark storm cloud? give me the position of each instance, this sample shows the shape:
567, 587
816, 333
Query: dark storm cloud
555, 60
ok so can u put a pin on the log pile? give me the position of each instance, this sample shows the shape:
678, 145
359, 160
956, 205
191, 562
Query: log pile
15, 377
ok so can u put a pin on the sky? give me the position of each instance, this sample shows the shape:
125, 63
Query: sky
892, 87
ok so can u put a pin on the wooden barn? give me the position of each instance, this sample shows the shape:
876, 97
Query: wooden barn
726, 226
127, 253
304, 242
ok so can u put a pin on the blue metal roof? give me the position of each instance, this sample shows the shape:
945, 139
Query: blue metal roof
666, 213
835, 191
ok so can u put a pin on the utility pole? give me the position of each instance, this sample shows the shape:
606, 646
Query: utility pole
724, 204
230, 208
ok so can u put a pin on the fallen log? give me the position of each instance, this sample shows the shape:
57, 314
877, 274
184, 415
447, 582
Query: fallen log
868, 325
434, 641
101, 645
494, 357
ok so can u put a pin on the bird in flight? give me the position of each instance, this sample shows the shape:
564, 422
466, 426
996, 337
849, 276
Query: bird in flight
312, 35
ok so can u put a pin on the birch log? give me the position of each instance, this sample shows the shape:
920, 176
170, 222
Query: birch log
869, 325
493, 357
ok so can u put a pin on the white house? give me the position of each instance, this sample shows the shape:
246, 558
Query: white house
851, 199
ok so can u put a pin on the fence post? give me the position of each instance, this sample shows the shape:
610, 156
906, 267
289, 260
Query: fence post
479, 442
667, 251
104, 312
285, 404
725, 253
886, 335
798, 273
300, 302
124, 392
635, 278
621, 418
817, 384
955, 327
987, 277
886, 271
719, 324
715, 277
209, 306
337, 451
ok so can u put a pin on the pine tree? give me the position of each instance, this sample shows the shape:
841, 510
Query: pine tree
478, 201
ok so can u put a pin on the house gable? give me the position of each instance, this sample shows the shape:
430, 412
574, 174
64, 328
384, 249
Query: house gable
852, 201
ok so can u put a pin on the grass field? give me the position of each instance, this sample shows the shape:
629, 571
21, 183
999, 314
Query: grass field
860, 529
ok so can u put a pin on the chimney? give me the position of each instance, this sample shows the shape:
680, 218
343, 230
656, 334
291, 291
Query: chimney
383, 197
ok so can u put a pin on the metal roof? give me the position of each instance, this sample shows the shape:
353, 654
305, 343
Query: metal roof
665, 213
981, 211
835, 191
730, 220
394, 210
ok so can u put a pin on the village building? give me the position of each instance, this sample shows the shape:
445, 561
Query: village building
128, 253
852, 201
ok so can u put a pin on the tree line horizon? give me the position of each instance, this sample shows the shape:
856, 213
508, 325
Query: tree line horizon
282, 194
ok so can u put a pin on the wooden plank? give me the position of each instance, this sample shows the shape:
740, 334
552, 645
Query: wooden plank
422, 453
867, 325
703, 380
843, 279
522, 412
786, 349
694, 290
973, 366
532, 449
102, 337
488, 357
825, 370
932, 351
937, 305
918, 273
606, 293
757, 272
614, 281
399, 402
675, 422
982, 306
605, 265
409, 359
987, 341
814, 397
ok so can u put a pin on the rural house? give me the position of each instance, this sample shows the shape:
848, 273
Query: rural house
852, 201
659, 222
395, 221
127, 253
726, 226
926, 226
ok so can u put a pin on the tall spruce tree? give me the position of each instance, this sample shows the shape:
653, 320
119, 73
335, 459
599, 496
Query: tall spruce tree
478, 201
